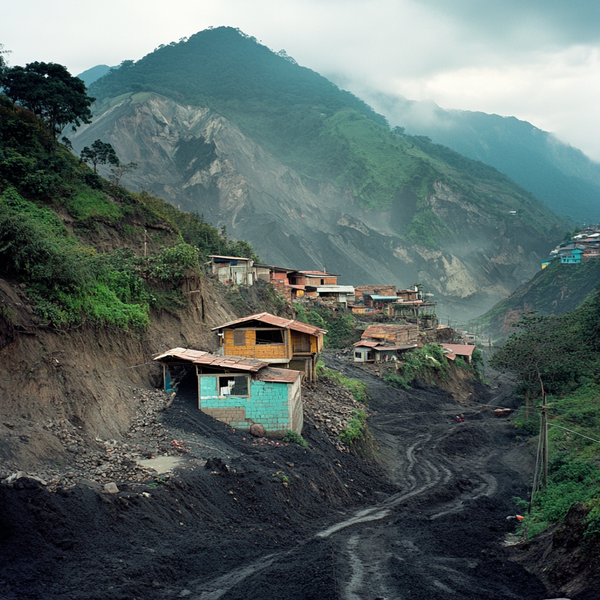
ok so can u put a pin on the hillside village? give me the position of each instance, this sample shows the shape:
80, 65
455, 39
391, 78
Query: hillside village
582, 247
254, 381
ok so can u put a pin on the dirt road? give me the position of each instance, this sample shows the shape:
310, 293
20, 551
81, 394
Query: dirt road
426, 524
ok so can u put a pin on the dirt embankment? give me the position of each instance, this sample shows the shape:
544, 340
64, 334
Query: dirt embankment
84, 375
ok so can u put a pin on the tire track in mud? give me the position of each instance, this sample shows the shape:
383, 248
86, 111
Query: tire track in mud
373, 547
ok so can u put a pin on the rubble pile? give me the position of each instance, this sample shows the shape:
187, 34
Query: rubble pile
330, 407
103, 461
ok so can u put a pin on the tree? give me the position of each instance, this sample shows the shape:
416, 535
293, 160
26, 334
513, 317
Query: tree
100, 153
118, 171
49, 91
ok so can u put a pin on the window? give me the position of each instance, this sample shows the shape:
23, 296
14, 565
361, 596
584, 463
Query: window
322, 282
269, 336
358, 355
239, 337
302, 344
233, 385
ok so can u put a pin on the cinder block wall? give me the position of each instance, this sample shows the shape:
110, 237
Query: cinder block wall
276, 406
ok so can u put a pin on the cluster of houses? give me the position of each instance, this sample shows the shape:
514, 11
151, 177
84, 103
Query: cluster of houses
257, 374
580, 248
298, 286
262, 361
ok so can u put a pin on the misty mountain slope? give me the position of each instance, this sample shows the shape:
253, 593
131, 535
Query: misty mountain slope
311, 176
561, 176
555, 290
199, 161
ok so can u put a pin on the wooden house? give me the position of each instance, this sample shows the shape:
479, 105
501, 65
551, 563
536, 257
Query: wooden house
241, 391
283, 342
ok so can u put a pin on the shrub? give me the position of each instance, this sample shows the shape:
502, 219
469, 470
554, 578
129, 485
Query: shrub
355, 429
294, 438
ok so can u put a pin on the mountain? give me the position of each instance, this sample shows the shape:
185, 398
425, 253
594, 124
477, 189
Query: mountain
312, 177
90, 75
563, 177
555, 290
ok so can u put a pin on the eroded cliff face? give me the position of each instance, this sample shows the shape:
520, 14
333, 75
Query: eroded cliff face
200, 162
86, 375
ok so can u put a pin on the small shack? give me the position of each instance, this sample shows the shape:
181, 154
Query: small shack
233, 269
240, 391
365, 351
286, 343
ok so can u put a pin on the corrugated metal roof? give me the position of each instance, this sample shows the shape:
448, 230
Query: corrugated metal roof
182, 353
366, 344
459, 349
239, 363
278, 375
270, 319
379, 298
383, 330
347, 289
228, 257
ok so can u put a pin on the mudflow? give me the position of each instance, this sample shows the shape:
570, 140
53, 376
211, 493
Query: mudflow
245, 518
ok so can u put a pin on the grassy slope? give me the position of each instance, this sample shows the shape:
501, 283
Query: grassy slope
324, 133
554, 290
77, 242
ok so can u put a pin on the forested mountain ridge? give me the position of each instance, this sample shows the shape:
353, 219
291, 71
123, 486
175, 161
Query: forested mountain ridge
222, 126
563, 177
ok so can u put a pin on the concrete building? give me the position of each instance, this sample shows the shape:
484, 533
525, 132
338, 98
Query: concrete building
240, 391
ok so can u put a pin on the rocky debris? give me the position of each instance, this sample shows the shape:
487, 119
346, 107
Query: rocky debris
111, 488
95, 462
330, 407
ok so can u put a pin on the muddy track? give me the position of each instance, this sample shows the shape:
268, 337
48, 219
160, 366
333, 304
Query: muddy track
427, 522
439, 536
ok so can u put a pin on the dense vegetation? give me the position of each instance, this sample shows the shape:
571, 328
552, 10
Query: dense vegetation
70, 281
560, 357
324, 133
555, 290
428, 364
341, 327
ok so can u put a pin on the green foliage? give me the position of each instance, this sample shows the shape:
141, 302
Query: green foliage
357, 388
418, 363
355, 429
341, 327
294, 438
553, 353
50, 92
100, 153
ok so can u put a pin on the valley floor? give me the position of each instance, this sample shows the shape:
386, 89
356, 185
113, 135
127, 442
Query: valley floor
426, 521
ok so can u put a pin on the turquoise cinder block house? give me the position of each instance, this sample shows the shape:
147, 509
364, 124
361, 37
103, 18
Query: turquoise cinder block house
240, 391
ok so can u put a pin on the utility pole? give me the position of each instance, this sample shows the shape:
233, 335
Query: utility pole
544, 434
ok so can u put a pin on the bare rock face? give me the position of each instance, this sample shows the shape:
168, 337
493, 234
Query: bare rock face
257, 430
199, 161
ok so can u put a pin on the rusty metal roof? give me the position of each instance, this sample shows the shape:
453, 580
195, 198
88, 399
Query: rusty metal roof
384, 330
459, 349
181, 353
278, 375
238, 363
367, 344
270, 319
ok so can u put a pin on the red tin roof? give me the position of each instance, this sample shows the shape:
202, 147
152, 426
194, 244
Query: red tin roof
270, 319
182, 353
459, 349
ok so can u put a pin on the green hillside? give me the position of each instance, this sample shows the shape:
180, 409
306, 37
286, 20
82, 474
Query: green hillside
326, 134
88, 251
555, 290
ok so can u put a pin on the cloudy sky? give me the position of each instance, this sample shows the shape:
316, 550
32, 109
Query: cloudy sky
538, 60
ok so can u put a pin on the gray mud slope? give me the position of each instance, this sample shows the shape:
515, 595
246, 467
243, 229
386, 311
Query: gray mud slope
426, 522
